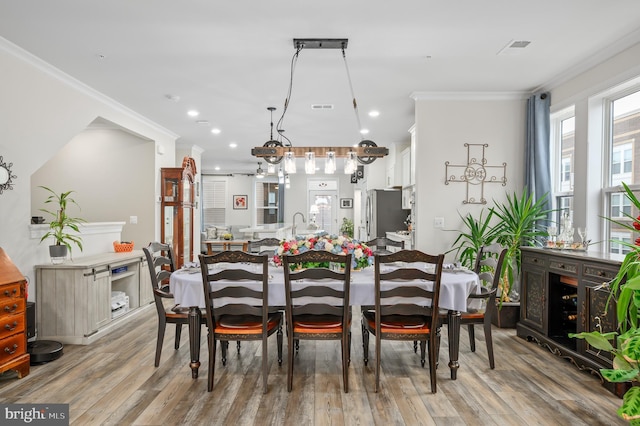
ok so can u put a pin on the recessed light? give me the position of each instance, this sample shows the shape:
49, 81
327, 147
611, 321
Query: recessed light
193, 113
364, 131
202, 121
233, 145
216, 168
374, 113
215, 131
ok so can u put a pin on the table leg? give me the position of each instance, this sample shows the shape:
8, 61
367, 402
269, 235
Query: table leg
209, 249
194, 339
453, 331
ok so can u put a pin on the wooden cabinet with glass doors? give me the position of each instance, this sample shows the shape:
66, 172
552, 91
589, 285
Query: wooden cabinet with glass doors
177, 195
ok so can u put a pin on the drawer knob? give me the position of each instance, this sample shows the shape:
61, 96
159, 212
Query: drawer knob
10, 327
11, 350
7, 293
11, 309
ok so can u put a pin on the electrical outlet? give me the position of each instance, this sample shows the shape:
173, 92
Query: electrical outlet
438, 222
133, 220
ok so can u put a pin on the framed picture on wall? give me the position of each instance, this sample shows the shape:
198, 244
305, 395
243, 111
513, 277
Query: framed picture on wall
346, 203
240, 202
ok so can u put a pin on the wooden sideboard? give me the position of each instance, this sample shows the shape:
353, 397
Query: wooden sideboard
13, 318
74, 299
562, 292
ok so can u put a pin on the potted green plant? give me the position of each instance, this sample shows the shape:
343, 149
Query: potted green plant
346, 228
625, 292
520, 223
60, 225
478, 232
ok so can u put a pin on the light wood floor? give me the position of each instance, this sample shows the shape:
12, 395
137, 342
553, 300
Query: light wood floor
113, 381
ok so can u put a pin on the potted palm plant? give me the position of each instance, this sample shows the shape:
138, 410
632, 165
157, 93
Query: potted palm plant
60, 225
520, 223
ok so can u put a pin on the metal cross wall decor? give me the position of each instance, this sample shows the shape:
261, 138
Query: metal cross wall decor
475, 173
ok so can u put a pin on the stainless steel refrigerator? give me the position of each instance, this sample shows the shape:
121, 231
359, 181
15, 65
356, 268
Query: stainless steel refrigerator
384, 213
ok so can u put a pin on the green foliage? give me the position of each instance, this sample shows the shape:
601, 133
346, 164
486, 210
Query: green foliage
478, 232
625, 291
60, 221
347, 227
520, 223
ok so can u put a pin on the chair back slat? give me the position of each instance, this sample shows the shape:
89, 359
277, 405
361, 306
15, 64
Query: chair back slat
263, 246
319, 283
248, 294
379, 245
412, 268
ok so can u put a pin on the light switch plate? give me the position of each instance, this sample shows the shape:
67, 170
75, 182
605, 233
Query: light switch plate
438, 222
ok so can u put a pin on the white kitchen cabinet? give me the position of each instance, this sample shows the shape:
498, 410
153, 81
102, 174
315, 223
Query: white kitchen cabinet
74, 299
406, 167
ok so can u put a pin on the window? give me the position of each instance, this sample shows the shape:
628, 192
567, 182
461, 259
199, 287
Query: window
563, 143
214, 195
620, 206
623, 130
267, 202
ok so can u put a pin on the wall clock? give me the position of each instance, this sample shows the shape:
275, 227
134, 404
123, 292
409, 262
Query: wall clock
6, 176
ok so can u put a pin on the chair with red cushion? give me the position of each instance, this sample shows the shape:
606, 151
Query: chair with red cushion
317, 304
405, 308
239, 311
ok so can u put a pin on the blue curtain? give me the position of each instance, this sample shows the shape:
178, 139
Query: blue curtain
537, 164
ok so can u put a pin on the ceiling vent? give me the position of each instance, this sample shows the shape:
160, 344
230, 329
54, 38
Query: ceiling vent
514, 47
321, 106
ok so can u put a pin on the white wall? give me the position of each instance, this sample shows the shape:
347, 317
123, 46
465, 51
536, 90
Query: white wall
42, 110
98, 165
443, 126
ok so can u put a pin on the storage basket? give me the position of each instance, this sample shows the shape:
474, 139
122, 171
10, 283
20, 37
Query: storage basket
122, 247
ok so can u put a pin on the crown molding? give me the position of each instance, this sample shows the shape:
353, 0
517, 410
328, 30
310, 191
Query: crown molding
469, 96
81, 87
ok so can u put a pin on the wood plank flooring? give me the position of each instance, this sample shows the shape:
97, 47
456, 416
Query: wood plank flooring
114, 382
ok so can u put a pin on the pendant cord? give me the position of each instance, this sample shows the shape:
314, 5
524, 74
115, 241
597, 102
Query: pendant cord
353, 96
294, 61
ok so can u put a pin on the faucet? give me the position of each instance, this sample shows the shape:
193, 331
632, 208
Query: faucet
293, 227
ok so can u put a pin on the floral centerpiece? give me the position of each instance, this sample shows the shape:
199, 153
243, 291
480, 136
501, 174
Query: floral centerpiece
362, 254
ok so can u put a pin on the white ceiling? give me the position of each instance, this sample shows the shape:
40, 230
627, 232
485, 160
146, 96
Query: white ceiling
231, 60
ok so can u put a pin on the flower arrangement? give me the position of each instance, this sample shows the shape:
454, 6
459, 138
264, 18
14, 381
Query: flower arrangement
362, 254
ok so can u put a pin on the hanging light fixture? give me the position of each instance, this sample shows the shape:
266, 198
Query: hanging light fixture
287, 182
259, 171
309, 163
330, 163
289, 162
273, 152
350, 164
271, 168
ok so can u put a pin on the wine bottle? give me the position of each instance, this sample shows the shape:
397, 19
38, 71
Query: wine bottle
569, 296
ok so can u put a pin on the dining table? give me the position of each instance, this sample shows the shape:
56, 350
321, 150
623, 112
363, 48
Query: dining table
456, 285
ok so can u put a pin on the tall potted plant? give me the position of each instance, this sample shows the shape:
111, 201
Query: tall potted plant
60, 225
625, 291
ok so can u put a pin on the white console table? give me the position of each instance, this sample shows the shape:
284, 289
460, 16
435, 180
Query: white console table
73, 299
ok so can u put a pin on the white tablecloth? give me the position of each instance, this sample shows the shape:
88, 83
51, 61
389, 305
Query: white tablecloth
186, 286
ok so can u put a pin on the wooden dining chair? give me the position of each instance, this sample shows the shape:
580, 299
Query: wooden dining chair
317, 304
482, 306
264, 246
239, 311
404, 308
380, 245
160, 259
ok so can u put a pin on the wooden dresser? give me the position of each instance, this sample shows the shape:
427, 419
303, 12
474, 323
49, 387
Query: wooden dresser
13, 318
